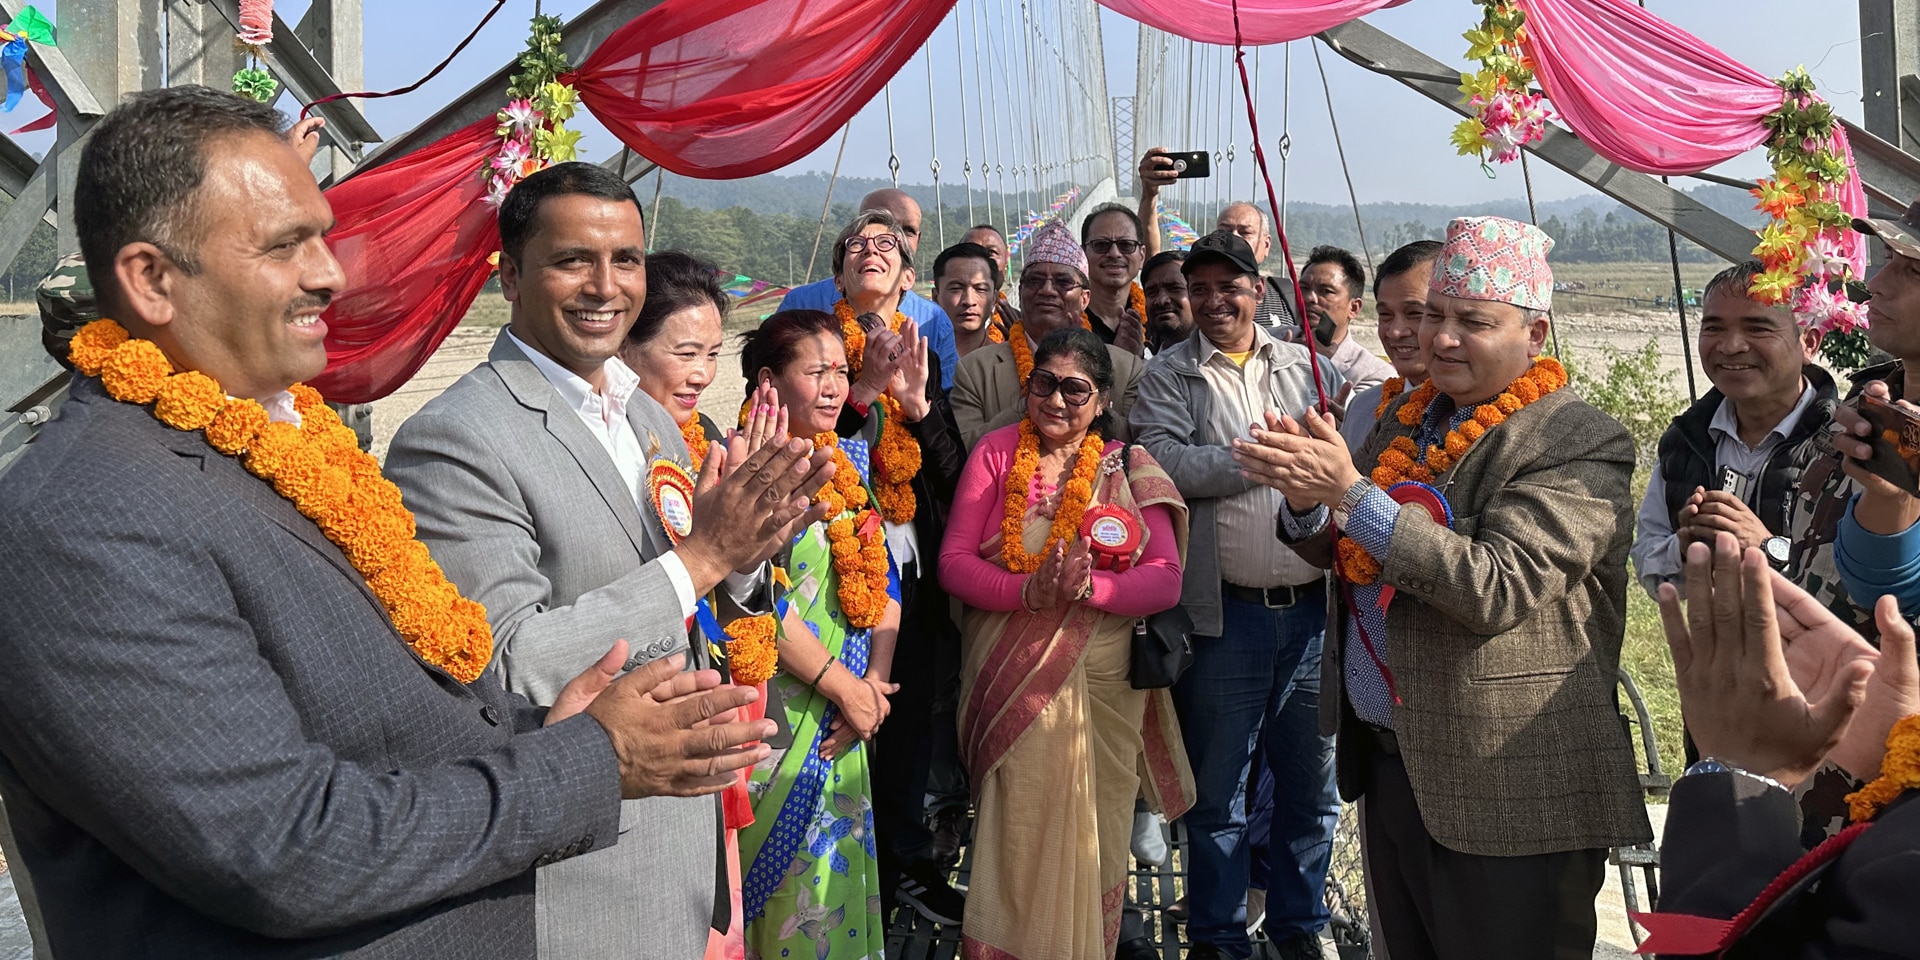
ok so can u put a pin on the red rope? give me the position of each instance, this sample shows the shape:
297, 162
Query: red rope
1273, 202
369, 95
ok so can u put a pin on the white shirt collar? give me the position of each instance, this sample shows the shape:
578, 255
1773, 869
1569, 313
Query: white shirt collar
1262, 345
577, 392
1726, 424
280, 408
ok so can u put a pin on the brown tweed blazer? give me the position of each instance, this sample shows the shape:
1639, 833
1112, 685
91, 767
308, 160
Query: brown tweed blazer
1504, 639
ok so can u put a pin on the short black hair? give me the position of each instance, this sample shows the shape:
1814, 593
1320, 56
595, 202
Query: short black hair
1087, 349
522, 206
987, 226
1404, 259
1086, 226
776, 341
1739, 277
676, 281
142, 166
1161, 259
967, 251
1348, 264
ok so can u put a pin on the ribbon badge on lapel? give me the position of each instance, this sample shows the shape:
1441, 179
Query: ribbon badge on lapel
670, 488
1112, 536
1428, 499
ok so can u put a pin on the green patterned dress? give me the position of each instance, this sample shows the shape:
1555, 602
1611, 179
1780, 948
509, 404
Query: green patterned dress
812, 884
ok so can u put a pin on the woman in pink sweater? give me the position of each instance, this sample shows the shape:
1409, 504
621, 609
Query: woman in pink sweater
1054, 736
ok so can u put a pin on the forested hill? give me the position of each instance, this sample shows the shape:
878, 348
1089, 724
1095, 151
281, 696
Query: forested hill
765, 227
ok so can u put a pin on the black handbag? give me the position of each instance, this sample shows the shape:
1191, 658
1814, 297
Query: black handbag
1162, 648
1162, 644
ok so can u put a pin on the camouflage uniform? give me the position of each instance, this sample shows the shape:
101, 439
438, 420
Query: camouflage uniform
67, 304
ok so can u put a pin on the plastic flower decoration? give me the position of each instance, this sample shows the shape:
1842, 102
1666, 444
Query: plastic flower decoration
1506, 114
518, 118
532, 128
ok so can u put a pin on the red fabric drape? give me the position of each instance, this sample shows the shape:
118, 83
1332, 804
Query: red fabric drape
413, 237
1261, 21
720, 89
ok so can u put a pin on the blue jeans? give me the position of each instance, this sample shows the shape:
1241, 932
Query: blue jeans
1263, 669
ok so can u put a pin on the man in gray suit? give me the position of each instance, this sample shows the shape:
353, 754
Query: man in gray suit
529, 479
213, 741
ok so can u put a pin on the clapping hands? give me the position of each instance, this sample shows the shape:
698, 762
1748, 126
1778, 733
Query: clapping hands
1065, 575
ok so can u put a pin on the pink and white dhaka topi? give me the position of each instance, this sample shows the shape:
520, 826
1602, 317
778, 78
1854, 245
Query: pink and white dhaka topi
1493, 258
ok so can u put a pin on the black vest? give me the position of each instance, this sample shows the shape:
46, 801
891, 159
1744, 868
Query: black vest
1687, 457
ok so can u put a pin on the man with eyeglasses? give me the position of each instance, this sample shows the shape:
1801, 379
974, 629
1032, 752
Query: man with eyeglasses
821, 295
1259, 611
1116, 306
1054, 290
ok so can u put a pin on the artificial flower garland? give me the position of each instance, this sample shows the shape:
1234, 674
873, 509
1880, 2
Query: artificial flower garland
1804, 249
533, 126
320, 468
1899, 771
1403, 460
896, 454
859, 544
1075, 494
1506, 113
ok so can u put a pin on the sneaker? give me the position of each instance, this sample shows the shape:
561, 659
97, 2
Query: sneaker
1149, 838
1256, 909
949, 835
924, 887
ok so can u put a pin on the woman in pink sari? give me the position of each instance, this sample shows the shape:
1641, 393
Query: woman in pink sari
1056, 740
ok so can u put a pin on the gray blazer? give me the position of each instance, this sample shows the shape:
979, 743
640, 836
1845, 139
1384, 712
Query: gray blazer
213, 744
525, 511
1170, 420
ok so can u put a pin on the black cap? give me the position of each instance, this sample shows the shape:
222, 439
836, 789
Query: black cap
1222, 245
1902, 235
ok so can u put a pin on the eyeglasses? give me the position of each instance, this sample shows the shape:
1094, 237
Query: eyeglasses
878, 243
1101, 248
1075, 391
1038, 282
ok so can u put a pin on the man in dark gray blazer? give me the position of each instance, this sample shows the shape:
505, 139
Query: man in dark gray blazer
213, 742
529, 480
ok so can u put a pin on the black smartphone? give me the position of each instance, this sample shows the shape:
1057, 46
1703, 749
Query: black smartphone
1895, 443
1191, 163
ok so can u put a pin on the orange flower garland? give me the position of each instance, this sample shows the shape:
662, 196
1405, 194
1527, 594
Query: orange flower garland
1899, 771
1074, 496
1389, 391
1022, 352
320, 468
996, 331
696, 438
896, 455
1403, 460
1137, 302
859, 547
752, 653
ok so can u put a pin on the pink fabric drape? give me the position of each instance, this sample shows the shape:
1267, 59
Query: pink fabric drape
413, 237
1261, 21
1640, 91
721, 89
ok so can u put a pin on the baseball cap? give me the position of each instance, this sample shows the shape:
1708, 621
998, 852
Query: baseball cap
1902, 235
1222, 245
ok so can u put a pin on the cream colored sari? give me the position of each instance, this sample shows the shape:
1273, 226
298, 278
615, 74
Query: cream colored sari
1058, 744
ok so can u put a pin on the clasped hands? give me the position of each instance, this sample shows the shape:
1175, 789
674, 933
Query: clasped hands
1065, 574
754, 493
1305, 459
1771, 681
896, 364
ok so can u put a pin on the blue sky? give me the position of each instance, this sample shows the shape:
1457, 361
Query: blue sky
1396, 140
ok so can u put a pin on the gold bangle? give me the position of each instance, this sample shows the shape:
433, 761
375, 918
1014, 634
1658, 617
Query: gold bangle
822, 675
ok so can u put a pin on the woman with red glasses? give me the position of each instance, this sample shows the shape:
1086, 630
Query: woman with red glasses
1060, 539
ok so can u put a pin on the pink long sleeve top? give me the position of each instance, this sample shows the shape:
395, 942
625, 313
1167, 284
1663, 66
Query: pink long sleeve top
1146, 588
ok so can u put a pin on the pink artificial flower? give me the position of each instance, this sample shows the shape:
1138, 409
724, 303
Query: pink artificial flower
1826, 254
511, 153
521, 116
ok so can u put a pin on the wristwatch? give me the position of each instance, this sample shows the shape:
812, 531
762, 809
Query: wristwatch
1712, 765
1350, 501
1778, 551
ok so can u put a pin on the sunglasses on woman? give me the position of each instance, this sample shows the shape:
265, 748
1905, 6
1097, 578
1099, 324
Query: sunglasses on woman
1075, 391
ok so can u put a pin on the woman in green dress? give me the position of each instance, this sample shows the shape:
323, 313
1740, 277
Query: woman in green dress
812, 884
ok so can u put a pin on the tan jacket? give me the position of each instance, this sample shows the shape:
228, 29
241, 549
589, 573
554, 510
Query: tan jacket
986, 391
1504, 639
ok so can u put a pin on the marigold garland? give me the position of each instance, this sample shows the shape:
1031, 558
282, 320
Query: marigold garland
1899, 771
896, 455
1075, 494
696, 437
859, 547
320, 468
1402, 460
1389, 391
752, 653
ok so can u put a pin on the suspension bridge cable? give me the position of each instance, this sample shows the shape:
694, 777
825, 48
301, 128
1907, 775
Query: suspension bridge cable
1533, 214
893, 156
966, 142
1286, 136
1345, 171
933, 135
827, 204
